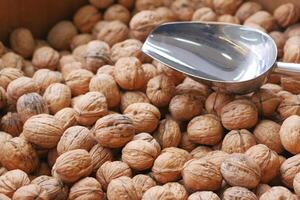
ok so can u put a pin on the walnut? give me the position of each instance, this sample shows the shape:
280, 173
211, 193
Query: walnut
4, 137
90, 107
247, 9
166, 14
186, 144
291, 50
239, 114
280, 40
142, 183
106, 69
75, 137
12, 124
72, 166
150, 71
176, 76
296, 184
272, 87
290, 84
117, 12
238, 193
98, 26
216, 101
229, 19
22, 42
267, 159
201, 174
96, 55
292, 30
113, 32
290, 134
143, 22
31, 191
86, 188
121, 187
241, 170
148, 138
289, 106
54, 187
286, 14
101, 3
110, 171
205, 129
168, 165
183, 9
131, 97
226, 7
57, 97
159, 192
204, 195
107, 85
127, 48
66, 59
99, 156
79, 54
261, 189
200, 151
4, 197
13, 180
45, 77
177, 189
145, 116
78, 81
12, 60
127, 3
67, 117
204, 14
80, 39
168, 133
86, 17
61, 35
43, 130
45, 57
147, 4
28, 69
160, 90
278, 192
263, 19
129, 74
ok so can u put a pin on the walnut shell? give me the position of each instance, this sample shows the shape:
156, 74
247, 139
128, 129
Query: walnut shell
4, 137
177, 189
110, 171
29, 192
57, 96
204, 195
67, 117
86, 17
263, 19
261, 189
86, 188
176, 76
131, 97
106, 69
166, 14
217, 157
121, 187
292, 30
72, 166
238, 193
147, 4
239, 114
247, 9
183, 9
78, 81
142, 183
200, 151
229, 19
216, 101
13, 180
127, 3
45, 57
226, 7
296, 184
290, 84
114, 130
158, 192
43, 130
129, 74
117, 12
17, 153
22, 42
201, 174
280, 39
291, 50
4, 197
238, 141
204, 14
286, 14
290, 134
150, 71
28, 69
278, 192
7, 75
168, 165
241, 170
12, 60
145, 116
99, 156
46, 77
12, 124
205, 129
101, 3
75, 137
127, 48
289, 106
186, 144
288, 170
80, 39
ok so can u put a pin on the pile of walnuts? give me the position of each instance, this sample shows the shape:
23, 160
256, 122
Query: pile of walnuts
85, 115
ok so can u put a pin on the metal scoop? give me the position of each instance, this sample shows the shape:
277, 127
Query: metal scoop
235, 58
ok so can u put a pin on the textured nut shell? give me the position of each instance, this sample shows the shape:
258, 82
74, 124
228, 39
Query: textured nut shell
147, 4
158, 192
238, 193
121, 187
117, 12
200, 151
106, 69
228, 19
184, 9
290, 134
278, 192
261, 189
216, 101
289, 106
12, 60
80, 39
67, 117
72, 166
12, 124
101, 3
205, 195
45, 77
226, 7
177, 189
201, 174
142, 183
45, 57
112, 170
175, 76
13, 180
241, 170
114, 130
280, 39
127, 48
78, 81
288, 170
150, 71
4, 197
7, 75
296, 184
99, 156
4, 137
247, 9
290, 84
69, 67
43, 130
22, 42
86, 188
29, 192
286, 14
204, 14
263, 19
86, 17
186, 144
131, 97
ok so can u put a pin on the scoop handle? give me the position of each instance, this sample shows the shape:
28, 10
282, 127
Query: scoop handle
290, 69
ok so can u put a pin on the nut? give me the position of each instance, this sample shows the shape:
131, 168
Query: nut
278, 192
158, 192
86, 188
45, 57
238, 193
286, 14
86, 17
226, 7
291, 50
166, 14
22, 42
217, 157
106, 69
280, 40
186, 144
78, 81
12, 60
142, 183
247, 9
30, 191
183, 9
121, 187
290, 84
200, 151
147, 4
99, 156
293, 30
7, 75
177, 189
204, 195
216, 101
79, 54
80, 39
296, 184
288, 170
204, 14
261, 189
127, 48
131, 97
12, 124
150, 71
4, 137
175, 76
229, 19
101, 3
45, 77
117, 12
67, 117
263, 19
290, 134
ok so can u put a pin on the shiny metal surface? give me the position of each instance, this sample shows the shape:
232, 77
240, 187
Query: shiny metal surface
235, 58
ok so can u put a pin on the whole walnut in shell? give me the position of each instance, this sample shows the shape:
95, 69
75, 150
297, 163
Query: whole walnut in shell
183, 9
31, 191
216, 101
290, 134
292, 30
229, 19
72, 166
80, 39
67, 117
288, 170
247, 9
117, 12
46, 77
177, 189
186, 144
12, 124
86, 17
238, 141
287, 14
176, 76
279, 39
263, 19
114, 130
150, 71
261, 189
45, 57
90, 107
12, 60
78, 81
147, 4
200, 151
43, 130
86, 188
201, 174
99, 156
145, 116
289, 106
127, 3
106, 69
241, 170
290, 84
4, 197
31, 104
168, 165
142, 183
205, 129
121, 187
239, 114
267, 159
226, 7
296, 184
166, 14
204, 14
13, 180
277, 193
110, 171
17, 153
22, 42
158, 192
291, 50
131, 97
237, 192
75, 137
7, 75
61, 35
204, 195
4, 137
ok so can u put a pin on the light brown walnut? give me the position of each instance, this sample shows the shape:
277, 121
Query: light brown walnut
287, 14
216, 101
45, 57
204, 14
121, 187
4, 137
158, 192
176, 76
261, 189
101, 4
106, 69
127, 3
296, 184
86, 188
263, 19
247, 9
12, 60
291, 50
86, 17
226, 7
229, 19
131, 97
117, 12
78, 81
31, 191
80, 39
238, 193
11, 123
204, 195
45, 77
22, 42
99, 156
142, 183
288, 170
183, 9
166, 14
177, 189
200, 151
67, 117
278, 192
7, 75
293, 30
186, 144
290, 134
